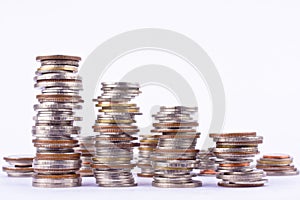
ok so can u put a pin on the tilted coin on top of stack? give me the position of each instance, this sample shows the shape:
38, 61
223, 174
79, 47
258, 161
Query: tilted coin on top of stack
19, 166
207, 162
115, 140
87, 150
56, 163
147, 144
175, 155
277, 165
236, 150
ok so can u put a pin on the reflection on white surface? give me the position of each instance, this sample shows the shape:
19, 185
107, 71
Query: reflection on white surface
277, 188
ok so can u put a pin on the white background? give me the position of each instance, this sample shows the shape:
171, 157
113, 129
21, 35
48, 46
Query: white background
254, 44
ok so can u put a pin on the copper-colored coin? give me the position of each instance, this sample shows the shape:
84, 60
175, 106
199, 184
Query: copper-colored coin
145, 175
56, 176
18, 158
58, 57
242, 134
55, 141
208, 172
57, 156
276, 156
246, 164
17, 169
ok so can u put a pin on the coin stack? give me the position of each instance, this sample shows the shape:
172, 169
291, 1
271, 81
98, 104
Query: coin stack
56, 163
147, 144
19, 166
115, 140
236, 150
175, 155
277, 165
87, 150
207, 162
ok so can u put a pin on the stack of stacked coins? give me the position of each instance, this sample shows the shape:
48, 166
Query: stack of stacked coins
207, 162
56, 164
277, 165
19, 166
115, 140
175, 155
147, 144
236, 151
87, 150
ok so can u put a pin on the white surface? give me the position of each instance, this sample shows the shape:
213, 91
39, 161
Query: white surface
277, 188
255, 45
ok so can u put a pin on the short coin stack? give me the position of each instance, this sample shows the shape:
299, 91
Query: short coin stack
56, 164
175, 155
115, 140
207, 163
277, 165
236, 150
147, 144
87, 150
19, 166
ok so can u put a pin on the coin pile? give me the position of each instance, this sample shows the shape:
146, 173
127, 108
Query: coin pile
19, 166
175, 155
147, 144
277, 165
56, 163
236, 150
207, 162
115, 140
87, 150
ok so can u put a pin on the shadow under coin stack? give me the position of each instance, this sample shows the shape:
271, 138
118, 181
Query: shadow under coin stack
19, 166
207, 162
236, 151
87, 150
115, 140
277, 165
56, 164
147, 144
175, 155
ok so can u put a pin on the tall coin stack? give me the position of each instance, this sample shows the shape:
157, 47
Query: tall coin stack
56, 163
207, 162
236, 151
87, 150
175, 155
147, 144
115, 140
